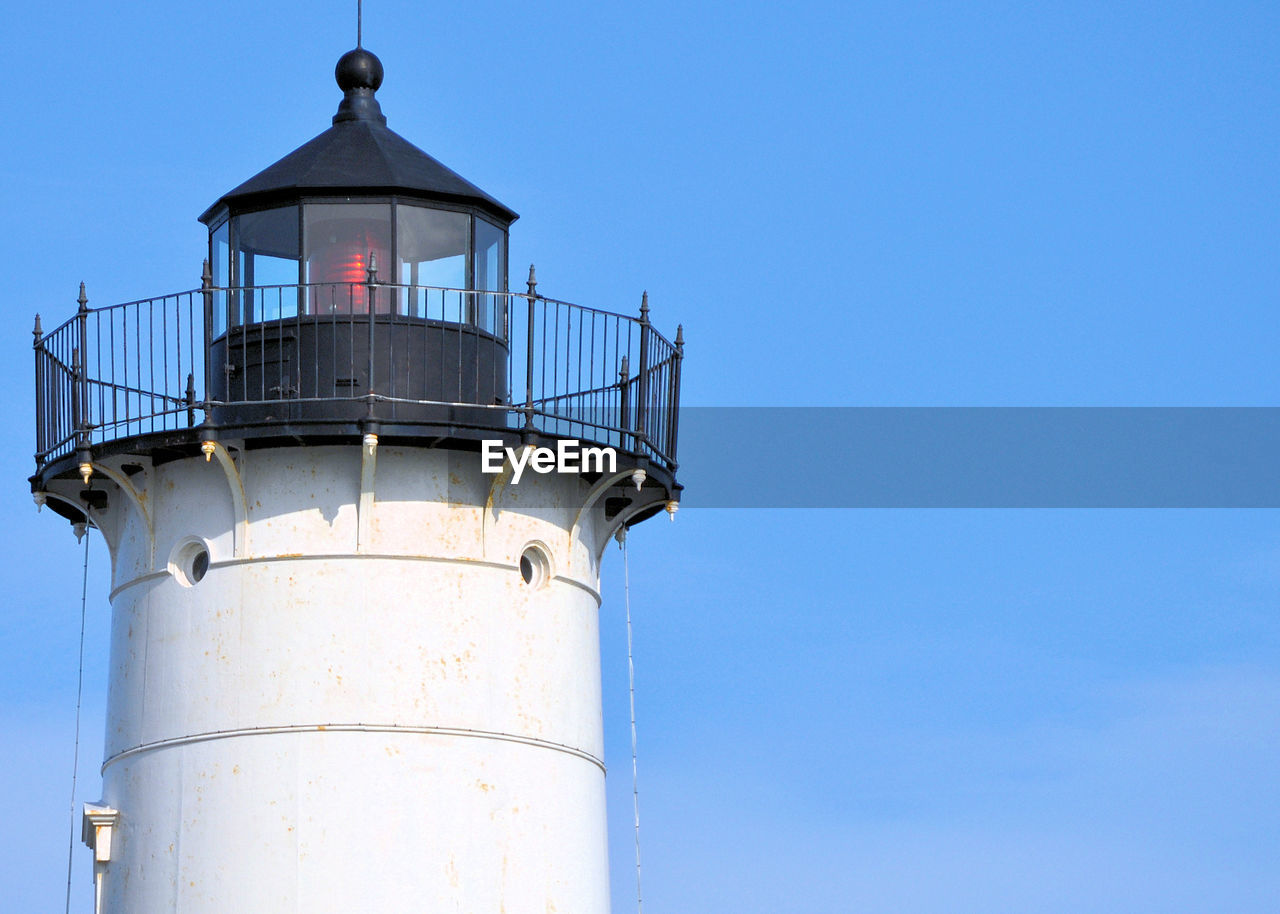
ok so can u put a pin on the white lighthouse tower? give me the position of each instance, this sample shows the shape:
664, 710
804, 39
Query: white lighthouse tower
355, 493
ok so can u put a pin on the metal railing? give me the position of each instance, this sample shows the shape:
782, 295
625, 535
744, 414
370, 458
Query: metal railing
518, 361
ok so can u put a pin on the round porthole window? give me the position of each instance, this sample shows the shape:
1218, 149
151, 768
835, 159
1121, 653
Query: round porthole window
190, 561
535, 565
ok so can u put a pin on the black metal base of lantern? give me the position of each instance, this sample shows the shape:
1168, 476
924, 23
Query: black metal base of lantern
350, 368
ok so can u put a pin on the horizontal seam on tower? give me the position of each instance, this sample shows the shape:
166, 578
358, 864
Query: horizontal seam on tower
352, 728
252, 560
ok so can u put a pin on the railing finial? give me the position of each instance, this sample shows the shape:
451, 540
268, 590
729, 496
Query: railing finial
373, 268
206, 275
38, 331
533, 281
644, 307
680, 338
83, 300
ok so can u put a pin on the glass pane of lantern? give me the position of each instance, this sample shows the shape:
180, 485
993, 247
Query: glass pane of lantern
490, 275
267, 261
339, 239
432, 247
220, 266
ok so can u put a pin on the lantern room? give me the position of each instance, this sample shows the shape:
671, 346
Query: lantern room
356, 263
355, 288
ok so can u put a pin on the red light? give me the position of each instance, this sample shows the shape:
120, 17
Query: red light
342, 267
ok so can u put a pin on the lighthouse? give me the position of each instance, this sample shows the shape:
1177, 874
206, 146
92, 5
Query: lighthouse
355, 491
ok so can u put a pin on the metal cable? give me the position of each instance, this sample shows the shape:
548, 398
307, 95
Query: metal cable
631, 679
75, 758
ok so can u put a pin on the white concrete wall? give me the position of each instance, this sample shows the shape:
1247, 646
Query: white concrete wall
400, 724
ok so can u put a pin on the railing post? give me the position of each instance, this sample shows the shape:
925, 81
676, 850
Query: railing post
528, 359
191, 398
673, 420
624, 402
642, 376
41, 432
80, 408
84, 456
206, 291
372, 272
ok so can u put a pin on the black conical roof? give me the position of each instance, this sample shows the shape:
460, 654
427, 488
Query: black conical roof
358, 154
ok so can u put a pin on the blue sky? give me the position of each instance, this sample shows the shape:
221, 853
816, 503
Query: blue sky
877, 204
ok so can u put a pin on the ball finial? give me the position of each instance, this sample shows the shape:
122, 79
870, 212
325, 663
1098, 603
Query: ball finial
359, 74
358, 69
